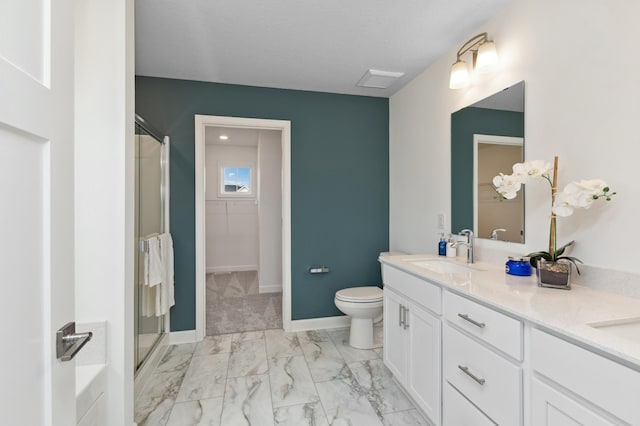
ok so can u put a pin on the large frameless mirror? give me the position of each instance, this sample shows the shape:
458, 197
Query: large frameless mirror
487, 138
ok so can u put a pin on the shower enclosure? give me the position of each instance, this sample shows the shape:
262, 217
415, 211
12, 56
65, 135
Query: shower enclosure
151, 218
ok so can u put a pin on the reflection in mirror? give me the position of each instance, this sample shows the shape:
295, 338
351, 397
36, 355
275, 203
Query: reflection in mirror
494, 218
499, 115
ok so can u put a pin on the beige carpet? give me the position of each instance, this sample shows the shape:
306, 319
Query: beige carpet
234, 304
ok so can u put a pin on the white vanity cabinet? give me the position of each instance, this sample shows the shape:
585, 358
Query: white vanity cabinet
412, 336
574, 386
483, 352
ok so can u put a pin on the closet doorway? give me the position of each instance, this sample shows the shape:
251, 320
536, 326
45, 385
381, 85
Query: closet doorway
242, 204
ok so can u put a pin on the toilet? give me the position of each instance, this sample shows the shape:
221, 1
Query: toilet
364, 305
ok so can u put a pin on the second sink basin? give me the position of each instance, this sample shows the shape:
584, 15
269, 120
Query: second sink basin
443, 267
625, 328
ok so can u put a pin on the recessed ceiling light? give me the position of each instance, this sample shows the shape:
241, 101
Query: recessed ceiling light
224, 137
379, 79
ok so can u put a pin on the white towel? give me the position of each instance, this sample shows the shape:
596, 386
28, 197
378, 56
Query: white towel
166, 287
150, 296
153, 276
153, 269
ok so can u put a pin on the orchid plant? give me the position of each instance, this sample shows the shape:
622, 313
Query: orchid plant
578, 194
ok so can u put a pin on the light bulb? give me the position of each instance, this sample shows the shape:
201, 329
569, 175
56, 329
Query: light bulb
487, 57
459, 75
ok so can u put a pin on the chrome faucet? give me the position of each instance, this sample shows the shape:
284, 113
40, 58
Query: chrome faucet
494, 233
468, 243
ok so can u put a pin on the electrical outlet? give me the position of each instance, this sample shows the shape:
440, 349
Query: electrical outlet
441, 221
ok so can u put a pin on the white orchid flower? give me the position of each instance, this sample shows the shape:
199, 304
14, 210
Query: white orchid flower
532, 170
578, 195
563, 205
591, 186
507, 185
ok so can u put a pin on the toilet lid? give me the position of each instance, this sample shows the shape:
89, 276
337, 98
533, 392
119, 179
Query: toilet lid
360, 294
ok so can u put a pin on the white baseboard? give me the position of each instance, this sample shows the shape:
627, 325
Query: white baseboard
179, 337
146, 370
275, 288
232, 268
320, 323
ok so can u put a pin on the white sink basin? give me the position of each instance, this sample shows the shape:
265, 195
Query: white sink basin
443, 267
628, 328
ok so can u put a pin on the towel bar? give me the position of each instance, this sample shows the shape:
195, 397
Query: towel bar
144, 242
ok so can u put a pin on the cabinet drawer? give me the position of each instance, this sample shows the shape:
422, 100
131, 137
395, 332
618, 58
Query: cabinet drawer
607, 384
499, 330
500, 393
413, 288
460, 412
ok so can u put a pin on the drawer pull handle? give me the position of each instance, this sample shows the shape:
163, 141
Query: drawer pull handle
476, 323
400, 309
406, 323
466, 371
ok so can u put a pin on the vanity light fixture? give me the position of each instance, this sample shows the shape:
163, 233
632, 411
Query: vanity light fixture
223, 137
484, 57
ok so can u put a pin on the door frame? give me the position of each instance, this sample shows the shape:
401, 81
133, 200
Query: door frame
201, 122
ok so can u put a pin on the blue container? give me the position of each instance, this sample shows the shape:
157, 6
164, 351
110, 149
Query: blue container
518, 266
442, 247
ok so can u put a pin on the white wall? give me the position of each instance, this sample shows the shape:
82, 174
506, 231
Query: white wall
582, 95
104, 148
231, 223
270, 211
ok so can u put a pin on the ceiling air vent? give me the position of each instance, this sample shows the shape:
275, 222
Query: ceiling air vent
379, 79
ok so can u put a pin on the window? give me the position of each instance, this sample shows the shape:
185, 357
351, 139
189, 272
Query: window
235, 181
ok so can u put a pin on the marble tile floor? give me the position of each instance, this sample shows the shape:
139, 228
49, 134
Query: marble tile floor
273, 378
234, 304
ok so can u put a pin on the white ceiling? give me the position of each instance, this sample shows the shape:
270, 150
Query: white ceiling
317, 45
237, 136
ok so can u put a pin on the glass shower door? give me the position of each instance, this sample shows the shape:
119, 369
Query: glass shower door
149, 221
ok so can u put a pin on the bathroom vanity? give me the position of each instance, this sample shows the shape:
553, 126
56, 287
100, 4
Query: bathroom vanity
472, 345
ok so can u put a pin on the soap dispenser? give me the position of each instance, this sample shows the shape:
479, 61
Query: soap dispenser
451, 250
442, 246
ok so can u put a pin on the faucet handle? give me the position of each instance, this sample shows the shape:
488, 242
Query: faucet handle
494, 233
467, 232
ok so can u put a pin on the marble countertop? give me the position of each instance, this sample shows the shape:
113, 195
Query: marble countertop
566, 313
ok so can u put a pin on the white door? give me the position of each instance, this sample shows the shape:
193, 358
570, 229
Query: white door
36, 214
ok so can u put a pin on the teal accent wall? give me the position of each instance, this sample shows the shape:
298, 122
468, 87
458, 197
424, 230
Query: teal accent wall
339, 182
464, 124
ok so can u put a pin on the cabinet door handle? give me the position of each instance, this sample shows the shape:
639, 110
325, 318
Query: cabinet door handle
400, 309
466, 371
476, 323
406, 323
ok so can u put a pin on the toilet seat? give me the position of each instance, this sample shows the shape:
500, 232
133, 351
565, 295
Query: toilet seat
365, 294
